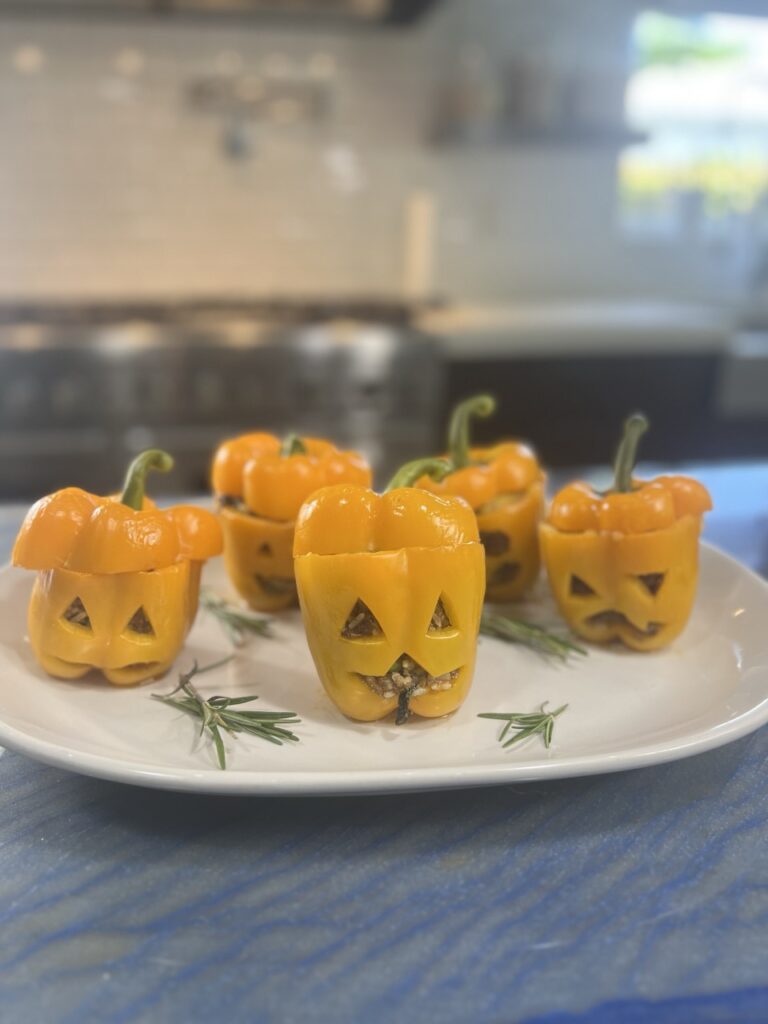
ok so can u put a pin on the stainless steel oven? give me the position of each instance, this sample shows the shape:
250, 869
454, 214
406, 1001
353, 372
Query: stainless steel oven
77, 400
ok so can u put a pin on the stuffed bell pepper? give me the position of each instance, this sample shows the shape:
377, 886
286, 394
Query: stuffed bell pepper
391, 590
623, 565
504, 484
260, 484
117, 578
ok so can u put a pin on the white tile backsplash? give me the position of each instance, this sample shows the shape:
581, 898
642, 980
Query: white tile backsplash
111, 185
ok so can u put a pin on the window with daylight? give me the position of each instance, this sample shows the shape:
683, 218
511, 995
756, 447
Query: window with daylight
698, 93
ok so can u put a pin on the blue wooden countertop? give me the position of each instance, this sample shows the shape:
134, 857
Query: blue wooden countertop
640, 896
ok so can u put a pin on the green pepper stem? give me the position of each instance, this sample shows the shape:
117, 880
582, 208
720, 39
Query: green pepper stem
626, 456
458, 429
408, 474
293, 445
136, 477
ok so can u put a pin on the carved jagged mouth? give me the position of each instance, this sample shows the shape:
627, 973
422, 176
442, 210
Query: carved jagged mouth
276, 584
136, 666
406, 679
133, 673
613, 619
121, 672
407, 674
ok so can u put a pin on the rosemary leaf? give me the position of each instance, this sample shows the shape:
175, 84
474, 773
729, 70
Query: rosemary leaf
219, 742
541, 723
206, 715
214, 713
235, 621
516, 631
523, 734
227, 702
185, 677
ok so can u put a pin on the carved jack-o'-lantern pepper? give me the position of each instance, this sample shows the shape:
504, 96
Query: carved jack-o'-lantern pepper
391, 590
624, 565
118, 579
260, 484
504, 484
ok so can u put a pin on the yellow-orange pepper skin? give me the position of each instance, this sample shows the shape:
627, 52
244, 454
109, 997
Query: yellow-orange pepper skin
261, 486
258, 556
613, 567
399, 554
504, 485
511, 571
117, 586
624, 565
68, 650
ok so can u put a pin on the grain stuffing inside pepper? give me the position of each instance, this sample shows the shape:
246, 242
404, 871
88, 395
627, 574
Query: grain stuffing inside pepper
406, 675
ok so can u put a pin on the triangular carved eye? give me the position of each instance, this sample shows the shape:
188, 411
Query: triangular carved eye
440, 618
77, 614
652, 581
361, 622
579, 588
140, 623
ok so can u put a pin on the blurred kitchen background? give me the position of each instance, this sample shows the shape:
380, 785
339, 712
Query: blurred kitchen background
342, 215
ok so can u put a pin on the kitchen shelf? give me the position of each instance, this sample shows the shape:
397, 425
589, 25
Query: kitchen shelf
571, 139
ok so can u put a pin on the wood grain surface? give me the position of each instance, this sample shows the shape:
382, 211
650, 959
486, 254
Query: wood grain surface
636, 897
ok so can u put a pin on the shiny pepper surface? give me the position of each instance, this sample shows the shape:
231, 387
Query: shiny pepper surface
391, 590
117, 585
261, 483
504, 484
624, 565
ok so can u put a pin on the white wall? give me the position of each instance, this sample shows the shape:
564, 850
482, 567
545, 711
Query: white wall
110, 186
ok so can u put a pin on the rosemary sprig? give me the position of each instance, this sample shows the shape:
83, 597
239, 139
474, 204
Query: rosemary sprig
215, 714
539, 722
516, 631
235, 621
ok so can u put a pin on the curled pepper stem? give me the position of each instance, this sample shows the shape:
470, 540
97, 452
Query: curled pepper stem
458, 429
136, 477
293, 445
626, 456
408, 474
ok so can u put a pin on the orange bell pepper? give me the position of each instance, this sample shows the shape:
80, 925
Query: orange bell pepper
118, 579
260, 484
504, 484
391, 591
623, 565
